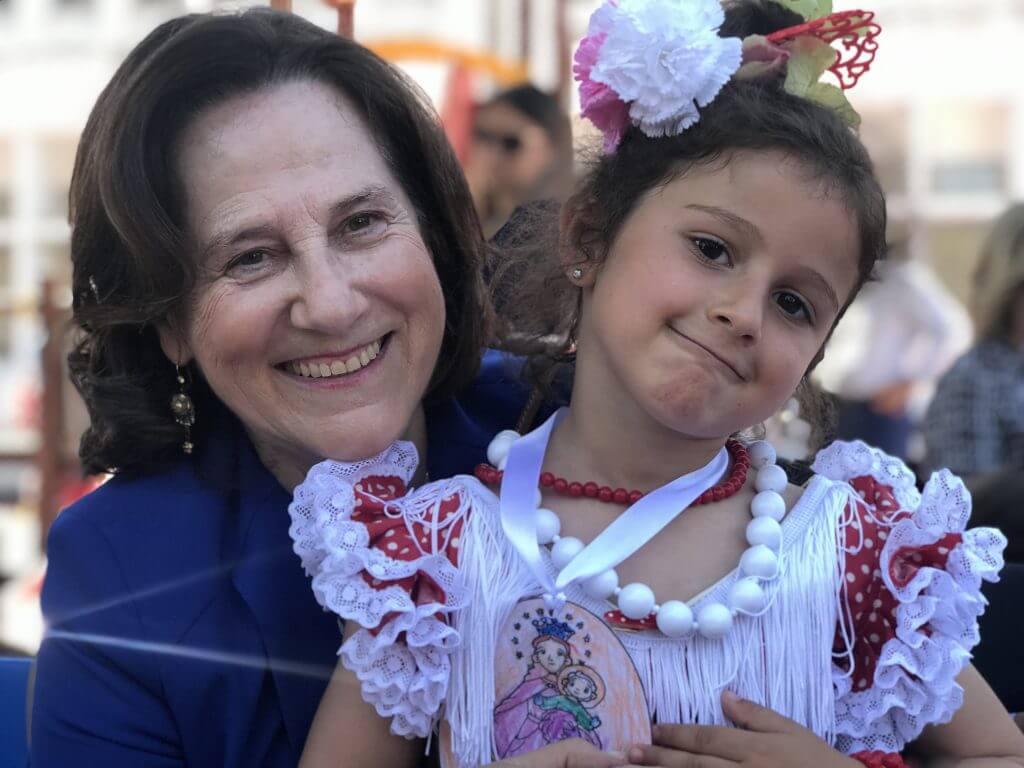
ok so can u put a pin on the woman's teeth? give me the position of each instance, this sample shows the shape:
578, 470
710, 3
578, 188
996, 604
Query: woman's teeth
327, 369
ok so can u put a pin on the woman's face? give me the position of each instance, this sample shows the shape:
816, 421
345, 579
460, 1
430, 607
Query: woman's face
513, 149
318, 315
551, 655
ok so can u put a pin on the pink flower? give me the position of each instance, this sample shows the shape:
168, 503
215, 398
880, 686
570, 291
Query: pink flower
599, 103
653, 64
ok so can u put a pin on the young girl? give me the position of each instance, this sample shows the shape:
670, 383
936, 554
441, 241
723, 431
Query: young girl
708, 255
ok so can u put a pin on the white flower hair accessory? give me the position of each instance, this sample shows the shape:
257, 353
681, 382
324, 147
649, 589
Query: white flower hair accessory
662, 58
654, 63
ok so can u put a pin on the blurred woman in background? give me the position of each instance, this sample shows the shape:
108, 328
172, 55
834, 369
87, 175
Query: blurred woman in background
975, 423
521, 152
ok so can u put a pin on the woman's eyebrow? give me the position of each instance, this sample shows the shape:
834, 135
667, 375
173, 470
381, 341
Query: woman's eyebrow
747, 228
230, 237
370, 194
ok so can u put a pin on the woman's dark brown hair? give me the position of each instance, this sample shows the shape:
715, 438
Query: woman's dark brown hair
132, 264
539, 304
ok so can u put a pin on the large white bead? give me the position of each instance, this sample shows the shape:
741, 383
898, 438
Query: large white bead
762, 453
771, 478
768, 504
548, 526
498, 449
675, 618
564, 550
764, 530
636, 601
759, 561
603, 585
746, 595
714, 621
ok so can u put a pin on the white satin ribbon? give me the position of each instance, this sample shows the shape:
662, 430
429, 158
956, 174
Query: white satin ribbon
627, 533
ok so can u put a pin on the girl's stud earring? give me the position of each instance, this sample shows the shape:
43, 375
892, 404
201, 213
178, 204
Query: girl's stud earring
577, 273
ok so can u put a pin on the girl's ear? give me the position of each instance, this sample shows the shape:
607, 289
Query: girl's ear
579, 263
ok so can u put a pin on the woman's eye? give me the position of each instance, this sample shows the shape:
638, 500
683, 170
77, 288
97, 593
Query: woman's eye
248, 260
793, 305
710, 249
364, 224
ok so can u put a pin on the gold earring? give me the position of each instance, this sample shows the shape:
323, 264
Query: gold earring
184, 411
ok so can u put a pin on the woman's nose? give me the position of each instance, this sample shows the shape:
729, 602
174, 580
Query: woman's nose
328, 298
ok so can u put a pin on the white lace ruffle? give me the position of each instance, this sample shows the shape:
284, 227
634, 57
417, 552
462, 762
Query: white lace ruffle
914, 683
405, 680
844, 461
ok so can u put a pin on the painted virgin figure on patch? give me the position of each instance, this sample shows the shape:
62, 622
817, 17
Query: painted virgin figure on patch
555, 699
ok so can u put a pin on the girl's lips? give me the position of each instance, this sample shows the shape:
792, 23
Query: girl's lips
712, 354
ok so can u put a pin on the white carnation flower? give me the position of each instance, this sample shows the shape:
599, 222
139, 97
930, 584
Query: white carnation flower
665, 58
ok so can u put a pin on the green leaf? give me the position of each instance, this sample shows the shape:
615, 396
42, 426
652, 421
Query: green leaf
809, 59
809, 9
832, 96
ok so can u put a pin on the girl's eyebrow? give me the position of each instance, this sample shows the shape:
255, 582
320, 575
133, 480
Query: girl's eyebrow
747, 228
818, 279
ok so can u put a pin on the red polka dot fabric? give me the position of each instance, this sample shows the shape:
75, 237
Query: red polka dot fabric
872, 605
390, 534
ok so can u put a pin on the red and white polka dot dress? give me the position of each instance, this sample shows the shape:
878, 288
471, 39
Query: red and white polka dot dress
872, 617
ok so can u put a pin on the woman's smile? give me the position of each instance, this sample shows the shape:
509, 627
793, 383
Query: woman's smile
338, 368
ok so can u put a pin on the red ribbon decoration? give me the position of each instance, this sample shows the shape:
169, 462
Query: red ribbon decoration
856, 30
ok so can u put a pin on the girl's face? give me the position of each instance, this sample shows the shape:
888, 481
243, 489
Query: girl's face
716, 295
551, 655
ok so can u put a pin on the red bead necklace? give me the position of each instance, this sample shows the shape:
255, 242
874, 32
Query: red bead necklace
490, 475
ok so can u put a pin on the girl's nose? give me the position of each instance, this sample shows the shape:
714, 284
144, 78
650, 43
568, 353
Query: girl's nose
741, 312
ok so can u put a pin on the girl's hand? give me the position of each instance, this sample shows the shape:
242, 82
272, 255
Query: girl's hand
574, 753
761, 738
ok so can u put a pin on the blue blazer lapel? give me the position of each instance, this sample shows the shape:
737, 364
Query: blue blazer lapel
301, 641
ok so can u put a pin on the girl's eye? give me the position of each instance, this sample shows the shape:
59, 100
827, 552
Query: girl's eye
793, 306
711, 250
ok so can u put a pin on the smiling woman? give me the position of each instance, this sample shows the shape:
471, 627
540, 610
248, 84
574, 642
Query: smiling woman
271, 233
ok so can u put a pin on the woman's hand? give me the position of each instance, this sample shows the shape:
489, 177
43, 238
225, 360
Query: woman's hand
761, 738
574, 753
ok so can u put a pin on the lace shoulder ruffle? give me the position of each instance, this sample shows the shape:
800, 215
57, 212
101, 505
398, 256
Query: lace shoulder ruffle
911, 597
387, 561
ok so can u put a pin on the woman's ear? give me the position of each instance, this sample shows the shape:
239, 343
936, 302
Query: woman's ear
173, 344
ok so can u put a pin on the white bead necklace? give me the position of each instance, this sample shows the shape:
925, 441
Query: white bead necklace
674, 618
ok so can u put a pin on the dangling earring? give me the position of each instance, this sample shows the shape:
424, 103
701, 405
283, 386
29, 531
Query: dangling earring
183, 410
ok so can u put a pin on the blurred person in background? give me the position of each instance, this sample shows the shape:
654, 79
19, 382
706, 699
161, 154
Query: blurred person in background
521, 152
900, 335
975, 423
